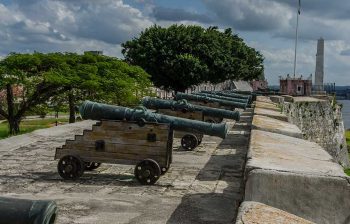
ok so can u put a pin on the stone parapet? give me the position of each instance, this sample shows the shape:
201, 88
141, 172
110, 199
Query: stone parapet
292, 174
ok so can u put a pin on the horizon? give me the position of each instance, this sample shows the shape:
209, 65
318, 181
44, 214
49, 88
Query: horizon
267, 25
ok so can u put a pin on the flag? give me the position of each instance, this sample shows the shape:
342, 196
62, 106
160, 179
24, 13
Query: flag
299, 8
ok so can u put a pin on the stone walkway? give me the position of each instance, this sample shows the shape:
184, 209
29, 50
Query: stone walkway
202, 186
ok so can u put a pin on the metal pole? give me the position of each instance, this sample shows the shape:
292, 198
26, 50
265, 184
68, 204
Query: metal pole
296, 43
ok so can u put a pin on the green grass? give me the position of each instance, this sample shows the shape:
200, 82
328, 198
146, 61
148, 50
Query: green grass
347, 171
347, 135
27, 126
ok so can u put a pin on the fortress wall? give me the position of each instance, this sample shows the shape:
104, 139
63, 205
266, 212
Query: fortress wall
292, 174
320, 121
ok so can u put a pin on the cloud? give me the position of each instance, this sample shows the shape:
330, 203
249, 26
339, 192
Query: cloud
59, 25
250, 15
171, 14
345, 52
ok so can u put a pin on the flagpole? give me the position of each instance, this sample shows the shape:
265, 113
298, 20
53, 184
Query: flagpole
296, 40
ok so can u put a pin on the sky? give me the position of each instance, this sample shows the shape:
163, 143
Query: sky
267, 25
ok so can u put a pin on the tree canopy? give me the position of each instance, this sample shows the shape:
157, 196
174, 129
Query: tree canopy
47, 78
180, 56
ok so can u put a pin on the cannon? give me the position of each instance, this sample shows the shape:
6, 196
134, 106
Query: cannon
243, 92
183, 109
126, 136
24, 211
205, 100
184, 106
233, 99
99, 111
231, 94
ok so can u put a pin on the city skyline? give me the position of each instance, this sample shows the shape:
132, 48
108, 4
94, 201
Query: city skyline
267, 25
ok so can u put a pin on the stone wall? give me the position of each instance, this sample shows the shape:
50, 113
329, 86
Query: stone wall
320, 121
292, 174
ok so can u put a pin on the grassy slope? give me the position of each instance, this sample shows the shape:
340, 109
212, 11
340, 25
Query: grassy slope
30, 125
347, 135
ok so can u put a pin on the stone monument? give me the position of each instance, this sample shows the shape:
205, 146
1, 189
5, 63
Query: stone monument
319, 72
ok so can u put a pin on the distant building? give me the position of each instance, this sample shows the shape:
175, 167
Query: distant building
94, 52
259, 85
295, 86
319, 71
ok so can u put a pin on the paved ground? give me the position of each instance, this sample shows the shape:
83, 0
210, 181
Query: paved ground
203, 186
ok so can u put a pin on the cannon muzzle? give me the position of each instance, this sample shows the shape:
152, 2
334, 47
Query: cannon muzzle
183, 105
99, 111
23, 211
180, 96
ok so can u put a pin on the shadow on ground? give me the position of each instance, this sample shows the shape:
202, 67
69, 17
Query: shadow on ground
225, 168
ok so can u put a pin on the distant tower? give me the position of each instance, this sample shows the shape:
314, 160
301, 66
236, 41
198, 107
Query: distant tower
319, 73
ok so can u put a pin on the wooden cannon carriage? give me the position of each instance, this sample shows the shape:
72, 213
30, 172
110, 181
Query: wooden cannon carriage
145, 144
189, 140
127, 136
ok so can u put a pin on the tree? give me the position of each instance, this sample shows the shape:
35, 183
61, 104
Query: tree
47, 78
180, 56
103, 78
40, 75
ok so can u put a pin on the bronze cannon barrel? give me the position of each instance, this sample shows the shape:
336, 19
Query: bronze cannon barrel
180, 96
211, 95
183, 105
243, 92
99, 111
24, 211
234, 95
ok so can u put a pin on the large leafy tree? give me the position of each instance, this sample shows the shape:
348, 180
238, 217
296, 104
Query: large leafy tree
40, 76
51, 78
180, 56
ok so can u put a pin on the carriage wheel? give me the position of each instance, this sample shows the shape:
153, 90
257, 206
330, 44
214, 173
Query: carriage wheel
70, 167
147, 171
209, 120
189, 142
91, 165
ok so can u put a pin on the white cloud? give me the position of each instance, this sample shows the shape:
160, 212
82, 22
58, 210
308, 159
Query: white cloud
59, 25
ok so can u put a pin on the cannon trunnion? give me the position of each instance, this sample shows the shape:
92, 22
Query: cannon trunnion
147, 145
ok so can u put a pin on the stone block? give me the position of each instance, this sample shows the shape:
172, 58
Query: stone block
296, 176
265, 105
288, 98
277, 99
251, 212
269, 124
270, 113
284, 153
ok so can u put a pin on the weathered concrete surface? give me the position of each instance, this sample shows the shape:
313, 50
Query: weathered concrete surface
295, 175
266, 123
202, 186
266, 105
321, 199
277, 99
270, 113
305, 99
273, 151
263, 99
257, 213
15, 142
